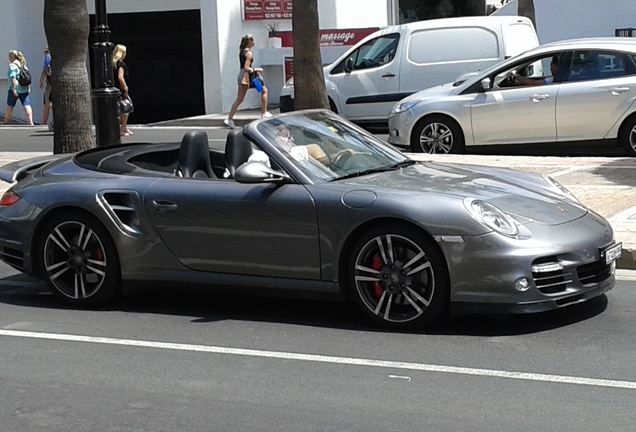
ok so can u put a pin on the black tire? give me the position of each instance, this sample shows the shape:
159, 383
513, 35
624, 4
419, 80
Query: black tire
332, 106
79, 261
437, 134
398, 277
627, 137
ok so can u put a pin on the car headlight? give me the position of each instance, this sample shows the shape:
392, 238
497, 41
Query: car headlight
290, 82
403, 106
492, 217
562, 189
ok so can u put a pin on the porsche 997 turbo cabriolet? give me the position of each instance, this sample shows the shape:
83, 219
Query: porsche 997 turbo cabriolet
304, 201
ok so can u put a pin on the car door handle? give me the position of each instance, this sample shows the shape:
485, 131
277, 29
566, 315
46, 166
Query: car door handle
539, 97
164, 206
618, 90
389, 75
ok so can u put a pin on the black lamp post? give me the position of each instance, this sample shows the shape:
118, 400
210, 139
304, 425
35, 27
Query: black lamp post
105, 95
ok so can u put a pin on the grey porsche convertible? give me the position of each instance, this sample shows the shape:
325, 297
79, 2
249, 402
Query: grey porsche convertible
304, 201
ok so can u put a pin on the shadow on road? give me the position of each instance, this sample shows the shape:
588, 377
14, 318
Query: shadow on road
210, 307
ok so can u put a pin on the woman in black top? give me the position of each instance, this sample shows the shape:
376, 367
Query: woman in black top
121, 75
246, 59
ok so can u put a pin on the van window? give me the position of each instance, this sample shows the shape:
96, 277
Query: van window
453, 44
374, 53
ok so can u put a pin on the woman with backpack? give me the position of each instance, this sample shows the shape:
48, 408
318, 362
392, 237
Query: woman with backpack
19, 80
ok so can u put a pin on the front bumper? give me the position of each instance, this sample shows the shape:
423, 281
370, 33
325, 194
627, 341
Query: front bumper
400, 127
488, 282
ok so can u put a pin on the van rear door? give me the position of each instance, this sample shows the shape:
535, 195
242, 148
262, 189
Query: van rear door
519, 36
367, 80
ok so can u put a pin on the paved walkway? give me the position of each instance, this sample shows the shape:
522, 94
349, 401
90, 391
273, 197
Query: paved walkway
605, 184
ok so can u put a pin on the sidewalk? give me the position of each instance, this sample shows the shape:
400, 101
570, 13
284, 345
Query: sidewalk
241, 118
605, 184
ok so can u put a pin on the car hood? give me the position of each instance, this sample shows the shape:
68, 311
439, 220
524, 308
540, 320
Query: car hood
525, 196
431, 93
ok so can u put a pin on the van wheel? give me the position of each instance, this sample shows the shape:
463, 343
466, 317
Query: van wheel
332, 106
438, 135
627, 137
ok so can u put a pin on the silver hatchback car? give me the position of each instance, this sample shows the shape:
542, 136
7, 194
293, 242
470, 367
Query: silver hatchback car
576, 90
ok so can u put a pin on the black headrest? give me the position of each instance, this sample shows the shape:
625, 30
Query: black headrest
237, 150
194, 155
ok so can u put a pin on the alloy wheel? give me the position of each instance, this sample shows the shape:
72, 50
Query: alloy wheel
74, 260
394, 278
436, 138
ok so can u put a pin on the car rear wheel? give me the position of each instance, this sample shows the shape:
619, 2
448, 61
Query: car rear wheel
437, 134
399, 278
79, 260
628, 136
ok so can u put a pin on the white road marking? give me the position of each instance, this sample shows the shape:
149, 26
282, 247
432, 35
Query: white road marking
351, 361
406, 378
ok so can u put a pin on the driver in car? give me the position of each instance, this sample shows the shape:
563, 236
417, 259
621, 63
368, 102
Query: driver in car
534, 82
300, 153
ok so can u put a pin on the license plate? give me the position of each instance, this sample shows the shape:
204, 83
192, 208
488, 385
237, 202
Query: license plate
612, 253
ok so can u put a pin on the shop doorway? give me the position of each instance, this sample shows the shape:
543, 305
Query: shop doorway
164, 60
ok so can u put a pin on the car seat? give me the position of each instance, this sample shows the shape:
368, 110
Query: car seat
238, 149
194, 156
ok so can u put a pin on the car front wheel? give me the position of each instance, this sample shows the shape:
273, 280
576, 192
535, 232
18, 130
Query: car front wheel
399, 278
79, 260
437, 134
628, 136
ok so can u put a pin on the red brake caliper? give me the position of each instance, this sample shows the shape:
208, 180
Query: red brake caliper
99, 255
377, 265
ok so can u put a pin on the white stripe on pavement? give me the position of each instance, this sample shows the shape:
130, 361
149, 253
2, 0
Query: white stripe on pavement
423, 367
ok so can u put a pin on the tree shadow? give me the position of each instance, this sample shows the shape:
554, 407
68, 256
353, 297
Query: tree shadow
315, 311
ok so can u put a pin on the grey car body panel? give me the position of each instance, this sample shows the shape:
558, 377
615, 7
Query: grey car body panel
292, 234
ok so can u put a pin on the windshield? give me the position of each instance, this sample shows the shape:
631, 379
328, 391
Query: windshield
327, 148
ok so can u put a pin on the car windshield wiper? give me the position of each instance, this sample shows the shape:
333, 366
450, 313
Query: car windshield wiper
393, 167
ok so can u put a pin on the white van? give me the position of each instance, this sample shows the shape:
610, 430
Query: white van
392, 63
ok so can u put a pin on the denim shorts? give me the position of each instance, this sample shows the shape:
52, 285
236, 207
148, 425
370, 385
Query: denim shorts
12, 100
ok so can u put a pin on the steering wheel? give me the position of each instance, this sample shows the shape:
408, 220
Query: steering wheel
342, 158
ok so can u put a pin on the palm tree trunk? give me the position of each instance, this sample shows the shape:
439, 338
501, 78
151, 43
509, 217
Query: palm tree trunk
526, 8
309, 80
67, 27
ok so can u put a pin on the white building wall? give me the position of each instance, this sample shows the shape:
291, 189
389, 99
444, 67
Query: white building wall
567, 19
222, 27
29, 39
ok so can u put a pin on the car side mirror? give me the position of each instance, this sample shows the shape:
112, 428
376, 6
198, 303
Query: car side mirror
349, 65
486, 84
258, 172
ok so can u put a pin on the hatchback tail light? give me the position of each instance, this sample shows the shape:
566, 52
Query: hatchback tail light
9, 198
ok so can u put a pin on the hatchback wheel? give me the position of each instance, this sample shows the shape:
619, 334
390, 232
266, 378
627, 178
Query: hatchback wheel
79, 260
399, 278
628, 136
437, 134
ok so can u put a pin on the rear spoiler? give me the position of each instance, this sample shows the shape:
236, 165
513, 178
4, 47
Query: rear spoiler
12, 172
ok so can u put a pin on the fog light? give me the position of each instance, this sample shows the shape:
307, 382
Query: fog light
522, 284
395, 133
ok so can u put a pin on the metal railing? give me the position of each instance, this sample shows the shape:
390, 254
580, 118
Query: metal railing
625, 32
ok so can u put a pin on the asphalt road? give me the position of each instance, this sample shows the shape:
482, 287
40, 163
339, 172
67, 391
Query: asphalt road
174, 361
40, 139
